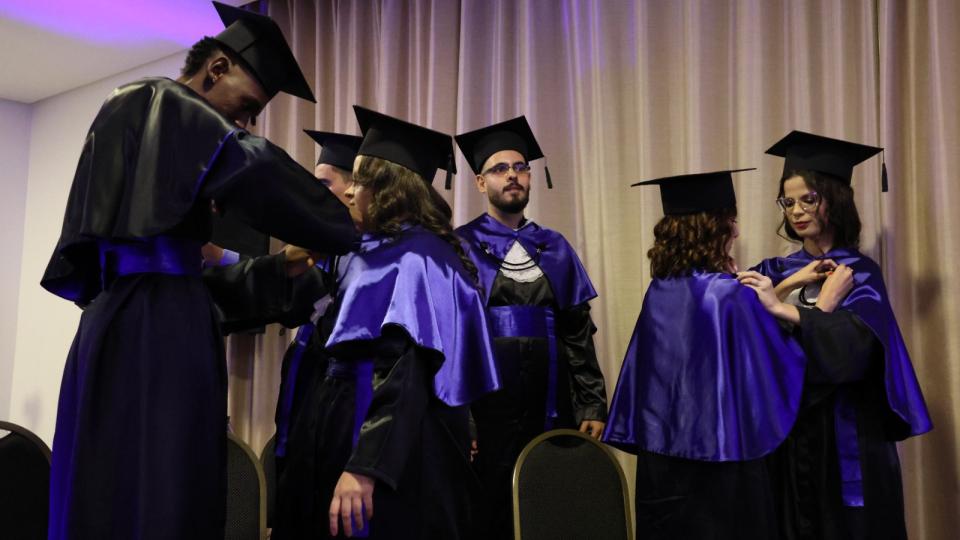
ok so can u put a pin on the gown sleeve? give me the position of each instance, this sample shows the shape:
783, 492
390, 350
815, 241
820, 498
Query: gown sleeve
589, 395
257, 291
259, 184
157, 152
402, 388
839, 346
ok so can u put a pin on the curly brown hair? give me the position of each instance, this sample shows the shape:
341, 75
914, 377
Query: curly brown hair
684, 243
841, 210
402, 196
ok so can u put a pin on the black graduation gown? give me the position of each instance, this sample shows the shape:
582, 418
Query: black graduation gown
509, 419
413, 444
140, 447
257, 291
843, 354
678, 499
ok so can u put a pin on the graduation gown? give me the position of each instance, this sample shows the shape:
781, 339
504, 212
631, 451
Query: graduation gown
837, 475
140, 447
257, 291
551, 377
409, 349
710, 384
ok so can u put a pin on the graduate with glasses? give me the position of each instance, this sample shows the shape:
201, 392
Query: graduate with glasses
837, 475
537, 295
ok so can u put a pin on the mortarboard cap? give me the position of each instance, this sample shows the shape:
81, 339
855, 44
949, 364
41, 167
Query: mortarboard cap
513, 134
692, 193
417, 148
258, 41
338, 149
806, 151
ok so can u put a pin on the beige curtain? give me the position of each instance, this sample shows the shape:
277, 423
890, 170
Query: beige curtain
920, 74
619, 91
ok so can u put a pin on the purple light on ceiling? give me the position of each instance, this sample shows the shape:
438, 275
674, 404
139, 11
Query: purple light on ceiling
119, 21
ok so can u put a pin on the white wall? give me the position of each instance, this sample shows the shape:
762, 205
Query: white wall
14, 145
45, 323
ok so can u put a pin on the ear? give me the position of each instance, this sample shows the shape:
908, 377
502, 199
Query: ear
481, 184
217, 67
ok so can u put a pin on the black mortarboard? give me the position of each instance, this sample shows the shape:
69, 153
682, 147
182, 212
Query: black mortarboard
259, 42
337, 149
692, 193
514, 134
417, 148
806, 151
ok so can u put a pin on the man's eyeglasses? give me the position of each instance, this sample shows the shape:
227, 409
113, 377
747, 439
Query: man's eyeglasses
501, 169
808, 202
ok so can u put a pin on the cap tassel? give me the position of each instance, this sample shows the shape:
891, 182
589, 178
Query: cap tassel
448, 182
883, 176
546, 170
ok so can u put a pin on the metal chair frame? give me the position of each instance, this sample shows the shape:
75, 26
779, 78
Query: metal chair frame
265, 454
521, 460
261, 481
29, 435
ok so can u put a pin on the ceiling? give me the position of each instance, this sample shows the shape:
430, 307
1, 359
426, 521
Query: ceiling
51, 46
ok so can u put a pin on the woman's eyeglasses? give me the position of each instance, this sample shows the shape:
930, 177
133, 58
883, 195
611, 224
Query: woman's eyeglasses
808, 202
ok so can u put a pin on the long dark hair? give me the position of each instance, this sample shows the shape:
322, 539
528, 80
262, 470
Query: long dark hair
841, 216
402, 196
684, 243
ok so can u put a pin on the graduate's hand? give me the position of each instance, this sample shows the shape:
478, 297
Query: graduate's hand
837, 286
474, 450
763, 286
594, 428
353, 495
298, 260
813, 272
212, 254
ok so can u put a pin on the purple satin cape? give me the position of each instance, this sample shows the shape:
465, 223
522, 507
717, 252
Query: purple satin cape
488, 242
868, 300
709, 374
416, 281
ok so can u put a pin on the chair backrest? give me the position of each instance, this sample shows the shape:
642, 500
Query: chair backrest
268, 459
246, 489
24, 483
568, 485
